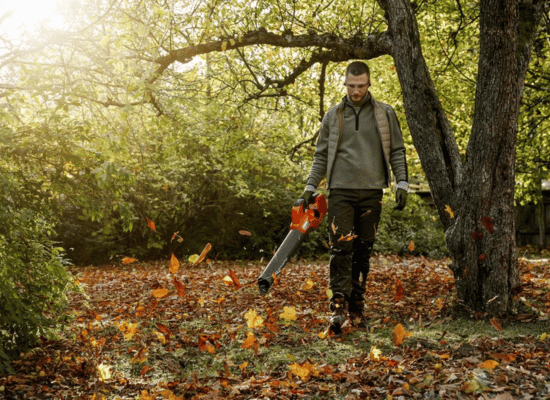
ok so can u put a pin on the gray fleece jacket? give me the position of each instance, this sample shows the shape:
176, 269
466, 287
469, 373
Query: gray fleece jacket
358, 146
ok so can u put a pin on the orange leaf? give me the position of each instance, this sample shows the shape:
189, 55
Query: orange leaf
160, 293
449, 211
399, 334
234, 278
174, 264
489, 364
128, 260
411, 246
496, 324
174, 236
164, 329
180, 287
488, 223
205, 251
141, 356
245, 233
251, 342
151, 224
399, 290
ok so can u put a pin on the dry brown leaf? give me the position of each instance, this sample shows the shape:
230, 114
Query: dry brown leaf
180, 287
205, 251
174, 264
399, 334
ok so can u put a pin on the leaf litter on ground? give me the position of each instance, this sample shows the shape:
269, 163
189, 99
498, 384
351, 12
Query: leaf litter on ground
154, 331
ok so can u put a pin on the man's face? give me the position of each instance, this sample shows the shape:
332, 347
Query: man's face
357, 86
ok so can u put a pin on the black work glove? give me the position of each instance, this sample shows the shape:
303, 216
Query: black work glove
307, 196
400, 199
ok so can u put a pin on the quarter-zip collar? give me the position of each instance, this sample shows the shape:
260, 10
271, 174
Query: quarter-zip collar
357, 107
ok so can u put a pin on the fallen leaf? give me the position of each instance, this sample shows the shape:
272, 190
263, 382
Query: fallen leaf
174, 264
141, 356
151, 224
374, 354
104, 372
251, 342
289, 314
308, 284
489, 364
160, 293
300, 371
253, 320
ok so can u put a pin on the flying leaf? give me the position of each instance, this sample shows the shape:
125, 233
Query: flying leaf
151, 224
477, 236
227, 280
399, 290
128, 260
245, 233
205, 251
193, 258
174, 236
253, 320
289, 314
234, 278
488, 223
489, 364
496, 324
399, 334
160, 293
334, 227
164, 329
180, 287
411, 246
174, 264
449, 211
348, 238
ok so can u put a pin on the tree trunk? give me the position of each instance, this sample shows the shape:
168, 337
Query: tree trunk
481, 237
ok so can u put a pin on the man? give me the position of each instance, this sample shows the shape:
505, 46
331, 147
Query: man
359, 142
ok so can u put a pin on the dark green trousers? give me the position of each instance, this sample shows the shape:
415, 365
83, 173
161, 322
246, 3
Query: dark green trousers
353, 216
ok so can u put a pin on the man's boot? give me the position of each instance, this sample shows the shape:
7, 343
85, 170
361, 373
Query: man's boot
357, 315
339, 311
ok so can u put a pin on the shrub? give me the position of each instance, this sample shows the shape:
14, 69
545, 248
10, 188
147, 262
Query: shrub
33, 278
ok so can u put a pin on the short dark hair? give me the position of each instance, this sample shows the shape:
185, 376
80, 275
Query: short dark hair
358, 68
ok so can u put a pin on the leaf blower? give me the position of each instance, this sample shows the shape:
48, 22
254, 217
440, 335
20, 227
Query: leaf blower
303, 220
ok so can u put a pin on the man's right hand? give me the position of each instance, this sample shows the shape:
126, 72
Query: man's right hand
307, 195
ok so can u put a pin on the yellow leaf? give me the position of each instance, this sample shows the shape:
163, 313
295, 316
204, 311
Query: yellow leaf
151, 224
128, 329
174, 264
201, 301
399, 334
193, 258
449, 211
253, 320
104, 372
307, 285
160, 336
489, 364
227, 280
224, 45
543, 336
299, 371
374, 354
160, 293
289, 313
128, 260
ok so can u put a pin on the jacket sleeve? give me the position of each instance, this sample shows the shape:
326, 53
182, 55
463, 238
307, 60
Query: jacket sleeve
319, 166
398, 156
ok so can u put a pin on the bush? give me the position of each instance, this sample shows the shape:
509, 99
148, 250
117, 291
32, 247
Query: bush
418, 223
33, 279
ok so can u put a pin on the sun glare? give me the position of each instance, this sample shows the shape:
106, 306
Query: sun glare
27, 14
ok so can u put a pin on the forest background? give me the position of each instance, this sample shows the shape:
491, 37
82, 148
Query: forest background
109, 151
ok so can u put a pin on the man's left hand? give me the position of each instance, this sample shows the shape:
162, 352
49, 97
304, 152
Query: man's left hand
400, 199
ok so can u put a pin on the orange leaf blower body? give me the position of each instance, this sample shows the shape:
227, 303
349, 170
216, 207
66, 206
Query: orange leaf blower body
302, 222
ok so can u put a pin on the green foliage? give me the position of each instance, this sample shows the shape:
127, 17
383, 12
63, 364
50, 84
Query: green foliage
418, 222
33, 278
